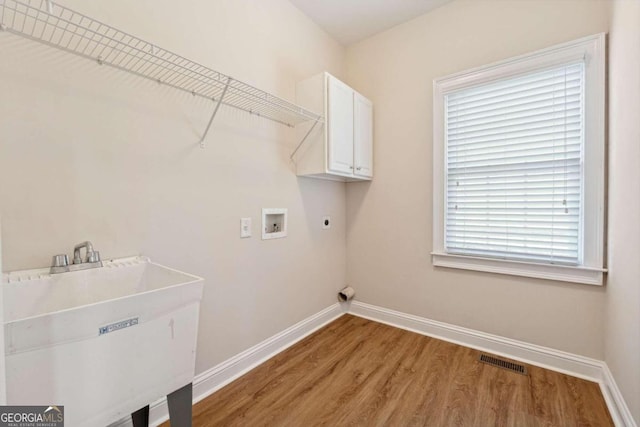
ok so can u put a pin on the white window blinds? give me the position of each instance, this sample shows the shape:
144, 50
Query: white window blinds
514, 176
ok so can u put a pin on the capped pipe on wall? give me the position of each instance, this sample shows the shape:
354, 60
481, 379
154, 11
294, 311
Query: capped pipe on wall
346, 294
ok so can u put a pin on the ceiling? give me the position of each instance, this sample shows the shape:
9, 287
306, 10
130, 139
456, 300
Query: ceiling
350, 21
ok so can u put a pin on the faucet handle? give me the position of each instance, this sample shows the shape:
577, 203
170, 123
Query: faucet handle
93, 256
61, 260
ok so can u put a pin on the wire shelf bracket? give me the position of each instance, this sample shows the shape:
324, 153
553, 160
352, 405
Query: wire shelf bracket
215, 111
304, 138
57, 26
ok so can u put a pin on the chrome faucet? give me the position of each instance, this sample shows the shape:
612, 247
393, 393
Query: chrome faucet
92, 256
60, 263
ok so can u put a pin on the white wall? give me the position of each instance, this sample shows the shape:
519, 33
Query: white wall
389, 220
3, 379
88, 152
622, 333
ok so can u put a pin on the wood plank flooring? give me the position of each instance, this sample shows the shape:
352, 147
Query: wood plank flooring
355, 372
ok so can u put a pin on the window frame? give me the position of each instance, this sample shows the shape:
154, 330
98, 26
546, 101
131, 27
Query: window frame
593, 50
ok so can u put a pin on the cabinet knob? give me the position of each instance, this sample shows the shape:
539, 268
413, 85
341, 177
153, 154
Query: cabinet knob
350, 167
359, 168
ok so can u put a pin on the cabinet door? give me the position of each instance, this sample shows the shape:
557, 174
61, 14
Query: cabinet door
363, 136
340, 127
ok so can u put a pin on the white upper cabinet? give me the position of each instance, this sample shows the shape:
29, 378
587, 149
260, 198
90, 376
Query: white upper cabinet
362, 136
342, 148
339, 117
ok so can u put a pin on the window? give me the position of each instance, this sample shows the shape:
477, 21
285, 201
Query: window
519, 165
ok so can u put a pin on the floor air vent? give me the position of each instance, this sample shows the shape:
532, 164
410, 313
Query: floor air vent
500, 363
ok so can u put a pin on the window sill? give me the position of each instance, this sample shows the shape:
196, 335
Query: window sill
584, 275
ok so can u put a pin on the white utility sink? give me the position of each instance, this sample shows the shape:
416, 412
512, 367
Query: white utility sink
103, 342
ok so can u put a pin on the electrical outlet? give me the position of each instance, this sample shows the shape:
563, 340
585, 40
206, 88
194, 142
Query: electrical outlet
326, 222
245, 227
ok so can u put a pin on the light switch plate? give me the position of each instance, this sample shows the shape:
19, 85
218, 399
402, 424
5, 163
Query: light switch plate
245, 227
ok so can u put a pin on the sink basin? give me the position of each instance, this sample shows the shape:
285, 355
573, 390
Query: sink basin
103, 342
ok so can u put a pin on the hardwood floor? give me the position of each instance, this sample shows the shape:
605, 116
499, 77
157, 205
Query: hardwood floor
355, 372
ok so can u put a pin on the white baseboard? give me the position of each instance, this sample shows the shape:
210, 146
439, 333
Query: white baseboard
617, 406
217, 377
556, 360
231, 369
548, 358
220, 375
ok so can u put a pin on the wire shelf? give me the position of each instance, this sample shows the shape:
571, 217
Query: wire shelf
62, 28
